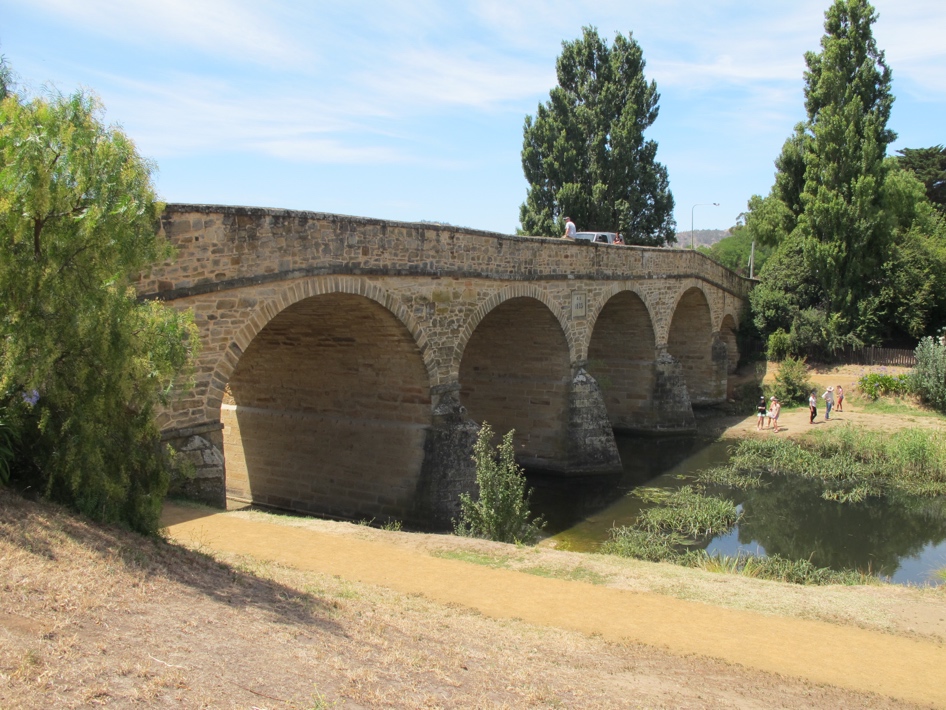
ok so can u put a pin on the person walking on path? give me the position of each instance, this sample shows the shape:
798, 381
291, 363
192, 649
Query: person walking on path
774, 410
812, 407
569, 228
761, 413
828, 398
840, 393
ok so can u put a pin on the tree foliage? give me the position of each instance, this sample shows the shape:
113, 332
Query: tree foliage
501, 510
584, 154
83, 363
734, 251
929, 166
858, 248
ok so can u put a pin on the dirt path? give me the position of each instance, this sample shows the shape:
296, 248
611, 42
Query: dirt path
908, 669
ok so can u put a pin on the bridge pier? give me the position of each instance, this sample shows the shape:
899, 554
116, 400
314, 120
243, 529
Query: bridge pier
448, 469
722, 363
673, 411
591, 446
200, 448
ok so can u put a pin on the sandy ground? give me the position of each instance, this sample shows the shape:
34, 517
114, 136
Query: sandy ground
911, 669
252, 610
94, 616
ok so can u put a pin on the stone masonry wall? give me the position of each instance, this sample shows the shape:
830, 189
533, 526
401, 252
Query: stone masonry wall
274, 290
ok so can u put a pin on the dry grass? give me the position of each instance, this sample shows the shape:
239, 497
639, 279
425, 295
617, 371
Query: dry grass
95, 616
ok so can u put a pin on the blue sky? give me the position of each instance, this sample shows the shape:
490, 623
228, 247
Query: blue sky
414, 110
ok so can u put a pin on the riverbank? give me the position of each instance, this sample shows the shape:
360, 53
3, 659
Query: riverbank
251, 609
246, 609
858, 410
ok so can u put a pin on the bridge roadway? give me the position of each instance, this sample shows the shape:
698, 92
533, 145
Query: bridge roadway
346, 362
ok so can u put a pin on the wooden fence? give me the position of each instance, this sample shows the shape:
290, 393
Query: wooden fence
870, 356
876, 356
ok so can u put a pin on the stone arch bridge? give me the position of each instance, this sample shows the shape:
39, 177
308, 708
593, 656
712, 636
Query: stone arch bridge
347, 362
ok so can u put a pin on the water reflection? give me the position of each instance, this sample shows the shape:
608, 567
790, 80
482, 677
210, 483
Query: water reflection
901, 537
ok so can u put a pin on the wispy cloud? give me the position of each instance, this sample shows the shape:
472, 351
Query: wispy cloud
233, 29
432, 77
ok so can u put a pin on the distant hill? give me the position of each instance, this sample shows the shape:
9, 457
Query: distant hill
702, 237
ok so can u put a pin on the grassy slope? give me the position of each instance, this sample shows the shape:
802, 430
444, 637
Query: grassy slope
94, 615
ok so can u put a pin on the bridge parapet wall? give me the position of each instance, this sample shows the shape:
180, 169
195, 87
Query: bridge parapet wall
225, 247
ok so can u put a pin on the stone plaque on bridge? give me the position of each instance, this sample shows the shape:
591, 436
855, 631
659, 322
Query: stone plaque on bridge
578, 304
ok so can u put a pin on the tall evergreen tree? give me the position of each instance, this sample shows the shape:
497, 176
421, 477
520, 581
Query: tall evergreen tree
829, 205
848, 101
584, 153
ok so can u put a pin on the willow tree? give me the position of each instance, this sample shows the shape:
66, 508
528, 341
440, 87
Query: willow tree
584, 153
83, 363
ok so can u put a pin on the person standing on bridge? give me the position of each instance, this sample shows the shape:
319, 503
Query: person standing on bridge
570, 229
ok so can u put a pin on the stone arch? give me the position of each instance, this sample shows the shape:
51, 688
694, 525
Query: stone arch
293, 293
614, 289
328, 410
622, 350
516, 373
517, 290
690, 341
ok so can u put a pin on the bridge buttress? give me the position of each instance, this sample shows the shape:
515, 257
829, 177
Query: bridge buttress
448, 469
200, 450
591, 445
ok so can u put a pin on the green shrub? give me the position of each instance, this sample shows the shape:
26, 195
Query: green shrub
501, 510
877, 384
791, 381
778, 346
929, 375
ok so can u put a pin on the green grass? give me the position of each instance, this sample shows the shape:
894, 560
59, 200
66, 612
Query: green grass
475, 558
895, 406
849, 465
575, 574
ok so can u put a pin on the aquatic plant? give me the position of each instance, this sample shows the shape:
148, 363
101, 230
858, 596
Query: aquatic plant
628, 541
686, 512
775, 567
852, 464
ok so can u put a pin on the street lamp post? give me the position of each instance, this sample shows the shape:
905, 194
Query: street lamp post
701, 204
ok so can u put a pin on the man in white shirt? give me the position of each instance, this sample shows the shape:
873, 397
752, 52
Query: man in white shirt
569, 228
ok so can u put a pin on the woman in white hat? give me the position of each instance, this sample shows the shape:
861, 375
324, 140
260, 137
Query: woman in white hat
828, 398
